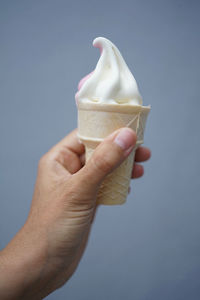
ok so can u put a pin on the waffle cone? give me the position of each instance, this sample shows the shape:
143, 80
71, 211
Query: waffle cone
95, 122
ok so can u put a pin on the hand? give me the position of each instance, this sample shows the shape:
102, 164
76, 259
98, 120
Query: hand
46, 251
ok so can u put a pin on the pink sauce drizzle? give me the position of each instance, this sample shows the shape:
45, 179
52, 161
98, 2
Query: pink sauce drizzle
81, 83
84, 79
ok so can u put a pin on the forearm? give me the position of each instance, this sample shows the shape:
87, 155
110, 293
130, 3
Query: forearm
23, 266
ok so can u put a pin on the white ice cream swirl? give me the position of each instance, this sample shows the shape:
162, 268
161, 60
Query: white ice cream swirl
111, 81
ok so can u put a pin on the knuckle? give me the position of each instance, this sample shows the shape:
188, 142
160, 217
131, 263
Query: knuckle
43, 161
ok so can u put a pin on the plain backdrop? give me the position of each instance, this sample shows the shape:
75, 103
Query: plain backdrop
149, 248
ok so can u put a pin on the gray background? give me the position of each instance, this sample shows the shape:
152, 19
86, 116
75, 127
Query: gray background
148, 249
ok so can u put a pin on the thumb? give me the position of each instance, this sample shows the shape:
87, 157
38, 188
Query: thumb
108, 155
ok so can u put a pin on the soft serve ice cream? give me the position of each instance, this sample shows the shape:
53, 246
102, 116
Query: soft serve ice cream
108, 99
111, 82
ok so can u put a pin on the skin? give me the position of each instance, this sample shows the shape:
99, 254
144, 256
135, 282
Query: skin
46, 251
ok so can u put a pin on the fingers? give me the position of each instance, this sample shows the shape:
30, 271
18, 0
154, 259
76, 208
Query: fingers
72, 142
68, 152
68, 159
138, 171
82, 159
107, 156
142, 154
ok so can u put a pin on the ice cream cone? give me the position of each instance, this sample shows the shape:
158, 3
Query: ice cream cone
95, 122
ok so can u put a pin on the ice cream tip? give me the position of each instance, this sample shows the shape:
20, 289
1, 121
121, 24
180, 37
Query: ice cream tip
111, 81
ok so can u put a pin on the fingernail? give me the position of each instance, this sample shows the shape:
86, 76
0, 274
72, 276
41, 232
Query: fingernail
125, 138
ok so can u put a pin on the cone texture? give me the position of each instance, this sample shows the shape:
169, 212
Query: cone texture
97, 121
